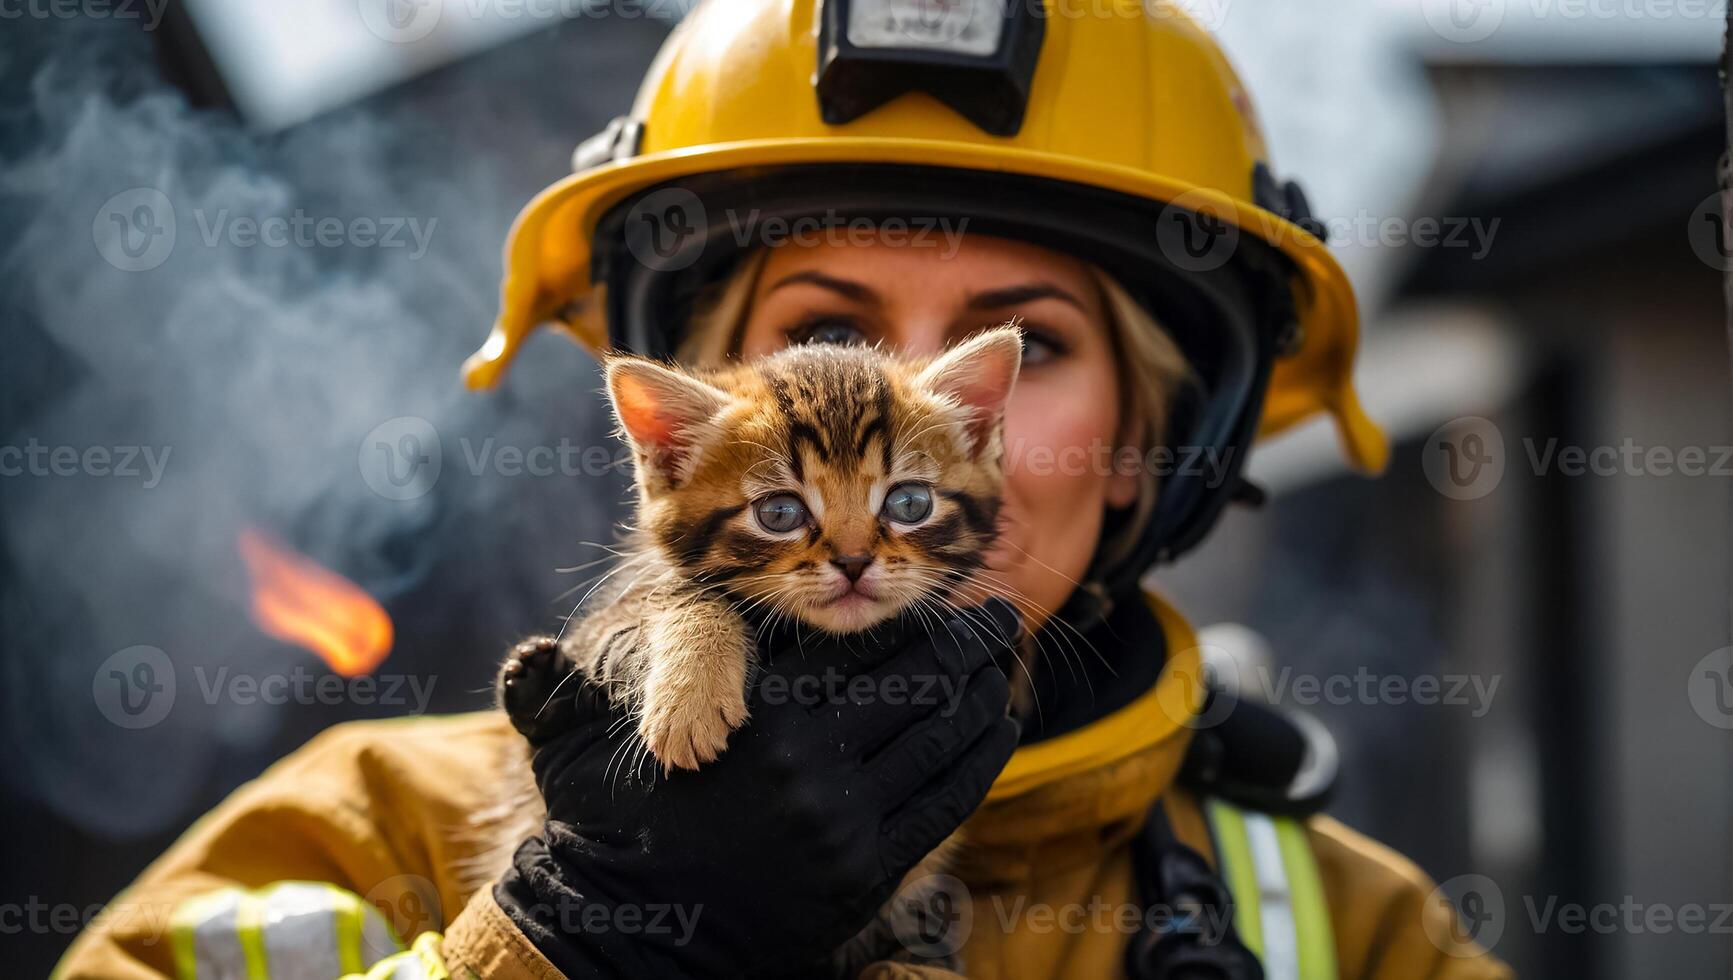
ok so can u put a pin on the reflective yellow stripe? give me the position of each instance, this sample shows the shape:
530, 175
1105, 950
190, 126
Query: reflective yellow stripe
432, 961
1311, 907
252, 940
1258, 882
347, 909
185, 943
421, 961
1234, 856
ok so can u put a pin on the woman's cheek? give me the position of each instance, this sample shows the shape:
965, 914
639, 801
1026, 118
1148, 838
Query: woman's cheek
1056, 482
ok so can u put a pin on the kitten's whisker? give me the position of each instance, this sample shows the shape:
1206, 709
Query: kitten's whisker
1022, 666
1069, 654
595, 581
555, 693
997, 582
612, 550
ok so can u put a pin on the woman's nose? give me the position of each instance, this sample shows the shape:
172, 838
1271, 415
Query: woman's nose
920, 333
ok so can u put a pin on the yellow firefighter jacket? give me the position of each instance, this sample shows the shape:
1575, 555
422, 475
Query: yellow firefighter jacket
342, 859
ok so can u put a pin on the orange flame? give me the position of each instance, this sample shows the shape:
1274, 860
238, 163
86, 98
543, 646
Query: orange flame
297, 601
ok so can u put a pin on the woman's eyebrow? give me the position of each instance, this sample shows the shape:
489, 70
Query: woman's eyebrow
1017, 295
847, 288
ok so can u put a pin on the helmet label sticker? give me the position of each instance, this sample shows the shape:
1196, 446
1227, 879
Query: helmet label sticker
970, 27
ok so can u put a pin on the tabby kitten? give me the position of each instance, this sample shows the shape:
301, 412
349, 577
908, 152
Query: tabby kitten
835, 485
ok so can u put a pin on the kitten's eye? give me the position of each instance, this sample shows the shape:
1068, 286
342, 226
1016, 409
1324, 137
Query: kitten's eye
780, 513
908, 503
827, 330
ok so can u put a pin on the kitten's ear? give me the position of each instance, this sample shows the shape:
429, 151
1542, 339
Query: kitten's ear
979, 374
667, 414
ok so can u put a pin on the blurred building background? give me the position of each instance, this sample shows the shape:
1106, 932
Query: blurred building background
1522, 191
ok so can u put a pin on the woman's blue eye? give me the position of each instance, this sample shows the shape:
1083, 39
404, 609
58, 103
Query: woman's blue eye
1038, 349
908, 503
780, 513
828, 330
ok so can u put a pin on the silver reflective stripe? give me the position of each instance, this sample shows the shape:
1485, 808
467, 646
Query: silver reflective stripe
217, 949
377, 939
299, 923
292, 930
1275, 900
409, 967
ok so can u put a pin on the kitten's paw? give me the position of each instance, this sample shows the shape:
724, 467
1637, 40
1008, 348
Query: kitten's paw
686, 732
528, 684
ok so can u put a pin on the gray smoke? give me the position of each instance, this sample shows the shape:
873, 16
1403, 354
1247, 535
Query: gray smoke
320, 284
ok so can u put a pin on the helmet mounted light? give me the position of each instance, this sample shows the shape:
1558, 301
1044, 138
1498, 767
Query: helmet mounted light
976, 56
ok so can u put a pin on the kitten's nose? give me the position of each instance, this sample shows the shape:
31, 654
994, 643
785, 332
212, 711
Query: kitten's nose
852, 565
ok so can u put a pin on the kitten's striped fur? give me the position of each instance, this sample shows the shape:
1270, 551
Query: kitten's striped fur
838, 427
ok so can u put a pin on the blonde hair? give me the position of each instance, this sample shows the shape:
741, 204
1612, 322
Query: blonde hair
1151, 370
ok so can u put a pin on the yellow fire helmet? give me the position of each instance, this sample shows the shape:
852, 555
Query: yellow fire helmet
1114, 130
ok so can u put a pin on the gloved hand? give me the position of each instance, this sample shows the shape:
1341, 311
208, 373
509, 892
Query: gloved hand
862, 754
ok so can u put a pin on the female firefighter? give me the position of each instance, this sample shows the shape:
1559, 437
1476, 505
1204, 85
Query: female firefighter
897, 172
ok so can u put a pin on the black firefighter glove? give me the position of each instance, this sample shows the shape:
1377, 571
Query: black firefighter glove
863, 753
